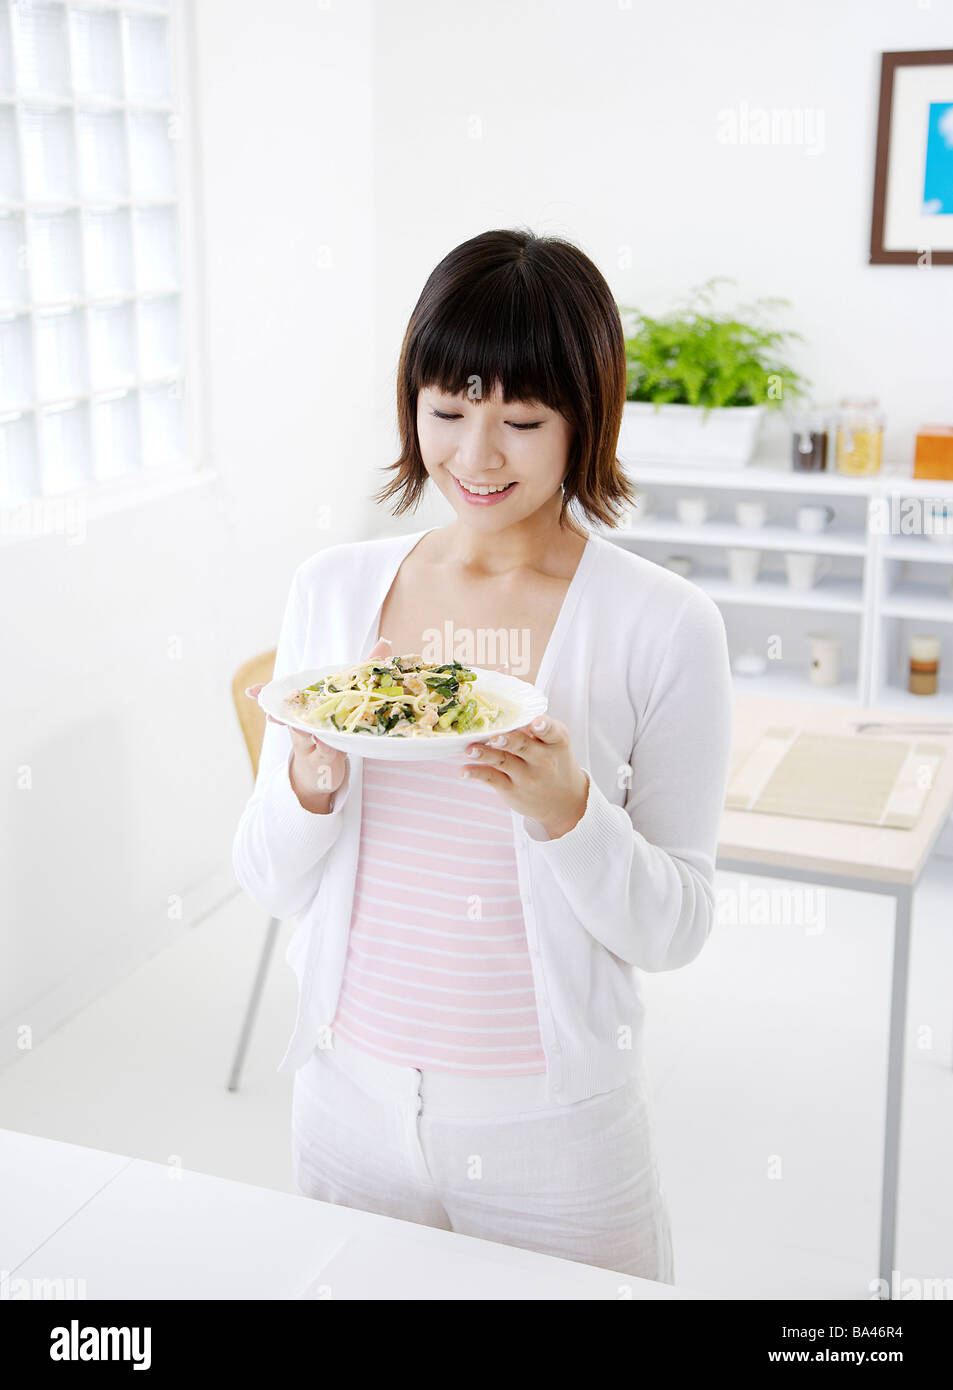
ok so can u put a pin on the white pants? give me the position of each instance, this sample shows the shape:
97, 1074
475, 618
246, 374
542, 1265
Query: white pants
494, 1157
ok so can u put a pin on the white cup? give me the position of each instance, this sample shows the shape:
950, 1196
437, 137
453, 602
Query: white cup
680, 564
814, 519
743, 565
750, 663
751, 515
804, 569
692, 511
825, 658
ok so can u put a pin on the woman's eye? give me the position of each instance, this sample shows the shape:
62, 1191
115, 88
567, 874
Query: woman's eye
444, 415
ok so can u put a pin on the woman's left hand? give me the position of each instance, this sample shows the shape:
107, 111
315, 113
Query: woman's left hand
535, 772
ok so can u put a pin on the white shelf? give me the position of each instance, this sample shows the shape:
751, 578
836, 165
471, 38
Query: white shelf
939, 706
834, 541
787, 685
765, 476
830, 594
918, 601
920, 550
773, 475
903, 485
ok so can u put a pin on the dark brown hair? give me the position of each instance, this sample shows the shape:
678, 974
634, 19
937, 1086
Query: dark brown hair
533, 315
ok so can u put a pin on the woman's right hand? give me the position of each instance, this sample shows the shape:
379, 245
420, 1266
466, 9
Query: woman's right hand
317, 770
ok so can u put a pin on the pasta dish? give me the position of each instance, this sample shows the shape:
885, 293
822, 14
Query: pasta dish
405, 697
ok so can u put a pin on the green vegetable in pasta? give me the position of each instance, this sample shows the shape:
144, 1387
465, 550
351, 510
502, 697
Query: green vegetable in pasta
403, 698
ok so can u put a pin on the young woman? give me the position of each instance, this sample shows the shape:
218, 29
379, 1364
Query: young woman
468, 1048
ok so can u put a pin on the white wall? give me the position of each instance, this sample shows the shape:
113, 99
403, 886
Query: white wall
137, 766
337, 170
599, 121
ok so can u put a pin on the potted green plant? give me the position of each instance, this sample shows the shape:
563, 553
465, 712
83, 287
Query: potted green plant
699, 381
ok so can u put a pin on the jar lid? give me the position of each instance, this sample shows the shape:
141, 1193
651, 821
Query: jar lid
924, 648
814, 420
860, 414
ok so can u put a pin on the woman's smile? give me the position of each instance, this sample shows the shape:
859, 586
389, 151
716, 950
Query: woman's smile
483, 494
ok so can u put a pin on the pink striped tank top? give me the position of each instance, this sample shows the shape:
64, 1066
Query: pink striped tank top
437, 974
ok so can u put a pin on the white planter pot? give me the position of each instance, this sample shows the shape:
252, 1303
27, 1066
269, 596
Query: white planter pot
684, 434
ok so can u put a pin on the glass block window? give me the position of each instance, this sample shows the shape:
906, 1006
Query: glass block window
91, 330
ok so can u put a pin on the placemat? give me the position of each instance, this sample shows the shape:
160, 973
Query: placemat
842, 777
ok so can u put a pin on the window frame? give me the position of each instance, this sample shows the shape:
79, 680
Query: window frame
192, 467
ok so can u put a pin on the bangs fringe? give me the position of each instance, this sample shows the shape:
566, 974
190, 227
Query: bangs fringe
498, 334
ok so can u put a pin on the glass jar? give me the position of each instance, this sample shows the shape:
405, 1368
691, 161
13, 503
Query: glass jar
809, 441
860, 432
924, 664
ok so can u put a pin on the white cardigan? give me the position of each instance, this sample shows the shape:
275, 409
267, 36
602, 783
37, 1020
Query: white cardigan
637, 668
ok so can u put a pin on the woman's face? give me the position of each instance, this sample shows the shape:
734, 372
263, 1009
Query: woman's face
479, 444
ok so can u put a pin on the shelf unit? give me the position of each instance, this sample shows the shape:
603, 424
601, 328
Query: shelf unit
888, 577
836, 541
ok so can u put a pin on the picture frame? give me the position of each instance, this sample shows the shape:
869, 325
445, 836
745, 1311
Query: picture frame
912, 222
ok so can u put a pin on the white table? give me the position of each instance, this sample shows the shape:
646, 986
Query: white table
122, 1228
866, 859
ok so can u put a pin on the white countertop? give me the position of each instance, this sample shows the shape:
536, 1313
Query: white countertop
131, 1229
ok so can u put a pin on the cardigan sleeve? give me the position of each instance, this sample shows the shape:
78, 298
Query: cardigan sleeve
640, 876
280, 849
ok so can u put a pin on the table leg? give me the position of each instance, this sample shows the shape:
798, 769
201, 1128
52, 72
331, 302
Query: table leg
898, 1024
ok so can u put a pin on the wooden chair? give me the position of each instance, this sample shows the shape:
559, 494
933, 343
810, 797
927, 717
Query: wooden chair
258, 671
251, 718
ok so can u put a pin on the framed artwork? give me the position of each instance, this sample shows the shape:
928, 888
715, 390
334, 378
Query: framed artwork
913, 179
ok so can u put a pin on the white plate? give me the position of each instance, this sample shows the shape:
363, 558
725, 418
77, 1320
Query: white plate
530, 702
